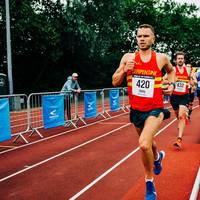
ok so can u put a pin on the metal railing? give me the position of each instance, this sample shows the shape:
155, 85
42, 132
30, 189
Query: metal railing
26, 112
18, 115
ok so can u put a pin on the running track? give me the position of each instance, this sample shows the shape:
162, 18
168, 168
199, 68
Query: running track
100, 162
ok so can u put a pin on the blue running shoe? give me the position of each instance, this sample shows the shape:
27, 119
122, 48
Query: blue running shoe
150, 191
158, 164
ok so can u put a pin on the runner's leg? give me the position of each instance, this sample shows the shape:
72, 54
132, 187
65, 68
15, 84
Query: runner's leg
146, 142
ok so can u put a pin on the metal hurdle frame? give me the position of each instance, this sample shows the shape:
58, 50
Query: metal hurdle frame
70, 122
35, 101
77, 117
102, 113
100, 105
123, 105
103, 103
16, 102
124, 102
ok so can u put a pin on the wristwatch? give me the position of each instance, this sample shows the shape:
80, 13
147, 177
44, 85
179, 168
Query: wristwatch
173, 84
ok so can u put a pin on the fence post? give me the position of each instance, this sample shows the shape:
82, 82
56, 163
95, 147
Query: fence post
77, 117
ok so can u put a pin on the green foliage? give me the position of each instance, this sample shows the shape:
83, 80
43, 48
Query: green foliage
52, 39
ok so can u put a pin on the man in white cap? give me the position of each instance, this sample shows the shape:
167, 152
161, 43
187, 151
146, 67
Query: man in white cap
71, 86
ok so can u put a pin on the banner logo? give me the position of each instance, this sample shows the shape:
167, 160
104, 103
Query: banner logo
90, 104
53, 111
53, 114
114, 100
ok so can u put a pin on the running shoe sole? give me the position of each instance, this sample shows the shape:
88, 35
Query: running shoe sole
163, 156
177, 145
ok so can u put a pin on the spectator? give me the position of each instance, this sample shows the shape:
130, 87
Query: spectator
70, 87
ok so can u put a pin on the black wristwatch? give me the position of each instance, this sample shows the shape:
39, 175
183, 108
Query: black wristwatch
173, 84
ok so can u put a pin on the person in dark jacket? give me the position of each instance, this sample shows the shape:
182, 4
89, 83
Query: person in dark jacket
70, 87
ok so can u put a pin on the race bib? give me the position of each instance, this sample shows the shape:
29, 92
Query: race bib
143, 86
180, 87
198, 84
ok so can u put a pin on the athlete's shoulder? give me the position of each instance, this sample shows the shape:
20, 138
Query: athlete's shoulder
128, 56
162, 60
162, 55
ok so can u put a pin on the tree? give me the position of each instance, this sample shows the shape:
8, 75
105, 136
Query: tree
52, 39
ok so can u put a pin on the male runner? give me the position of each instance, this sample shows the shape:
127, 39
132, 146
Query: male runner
144, 78
180, 96
192, 88
198, 84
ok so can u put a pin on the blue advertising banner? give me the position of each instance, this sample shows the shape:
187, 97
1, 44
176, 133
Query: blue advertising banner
5, 131
53, 110
114, 100
90, 104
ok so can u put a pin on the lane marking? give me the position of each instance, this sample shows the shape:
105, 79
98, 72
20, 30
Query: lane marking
62, 133
114, 166
65, 132
5, 146
112, 123
117, 164
195, 189
83, 144
62, 153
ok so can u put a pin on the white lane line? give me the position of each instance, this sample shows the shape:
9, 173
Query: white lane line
195, 189
117, 164
114, 166
62, 133
113, 123
5, 146
62, 153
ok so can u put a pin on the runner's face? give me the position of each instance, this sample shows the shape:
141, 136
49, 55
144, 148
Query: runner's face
189, 66
180, 60
145, 38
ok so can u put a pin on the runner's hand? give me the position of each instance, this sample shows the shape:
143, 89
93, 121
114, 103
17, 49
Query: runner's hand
168, 90
129, 65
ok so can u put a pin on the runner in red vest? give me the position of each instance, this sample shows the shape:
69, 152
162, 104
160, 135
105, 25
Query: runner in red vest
197, 76
180, 97
144, 78
192, 89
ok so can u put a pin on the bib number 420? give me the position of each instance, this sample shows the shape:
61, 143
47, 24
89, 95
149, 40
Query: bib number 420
143, 83
143, 86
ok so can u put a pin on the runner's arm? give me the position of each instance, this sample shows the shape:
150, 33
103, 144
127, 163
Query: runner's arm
171, 74
127, 63
193, 80
119, 74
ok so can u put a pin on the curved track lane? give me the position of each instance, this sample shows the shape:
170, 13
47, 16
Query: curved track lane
62, 167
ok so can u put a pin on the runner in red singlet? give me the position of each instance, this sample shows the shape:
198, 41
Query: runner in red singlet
180, 97
192, 89
144, 78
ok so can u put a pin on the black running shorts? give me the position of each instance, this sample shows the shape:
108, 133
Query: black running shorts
138, 118
198, 93
177, 100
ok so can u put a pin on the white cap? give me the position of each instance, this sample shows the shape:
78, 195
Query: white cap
74, 74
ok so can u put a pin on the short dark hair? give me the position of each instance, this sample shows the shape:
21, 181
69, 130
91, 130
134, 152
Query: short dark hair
147, 26
189, 64
179, 53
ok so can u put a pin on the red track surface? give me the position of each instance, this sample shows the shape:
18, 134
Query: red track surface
34, 174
